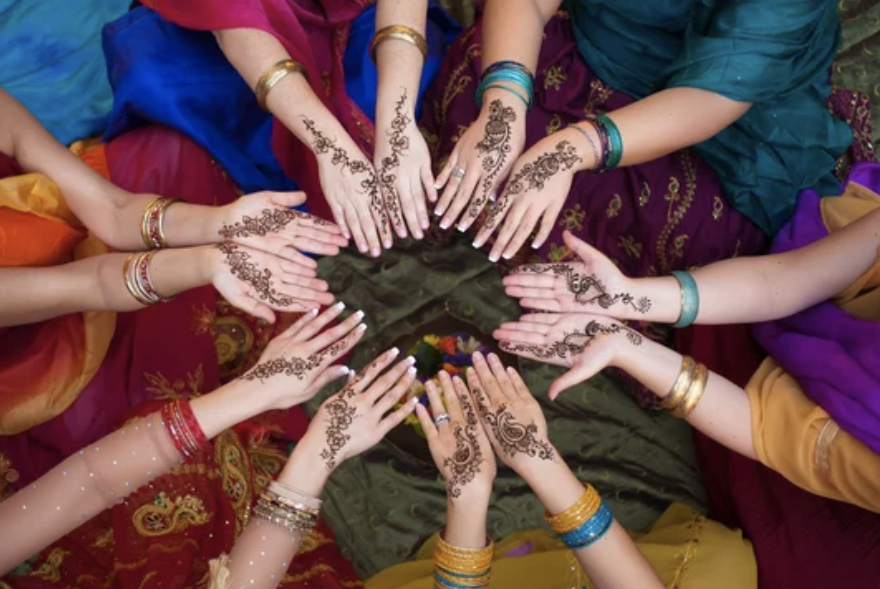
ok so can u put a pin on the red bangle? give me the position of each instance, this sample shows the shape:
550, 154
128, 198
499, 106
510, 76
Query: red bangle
193, 426
183, 428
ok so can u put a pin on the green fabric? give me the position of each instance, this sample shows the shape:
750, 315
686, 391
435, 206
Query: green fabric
858, 63
384, 504
773, 53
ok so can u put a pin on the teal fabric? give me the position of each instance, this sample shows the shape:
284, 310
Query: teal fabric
775, 54
52, 62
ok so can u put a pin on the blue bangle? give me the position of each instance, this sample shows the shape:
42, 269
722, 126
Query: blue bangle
509, 89
591, 531
615, 141
690, 299
516, 78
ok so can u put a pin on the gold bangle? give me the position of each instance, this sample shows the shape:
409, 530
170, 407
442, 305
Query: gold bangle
160, 222
694, 394
682, 383
399, 33
131, 284
273, 75
463, 560
146, 222
573, 517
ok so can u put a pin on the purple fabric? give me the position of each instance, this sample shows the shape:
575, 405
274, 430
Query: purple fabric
834, 356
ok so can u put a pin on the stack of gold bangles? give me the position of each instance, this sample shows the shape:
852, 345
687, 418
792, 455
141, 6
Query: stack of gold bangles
399, 33
584, 523
688, 388
136, 274
456, 568
153, 223
293, 510
275, 74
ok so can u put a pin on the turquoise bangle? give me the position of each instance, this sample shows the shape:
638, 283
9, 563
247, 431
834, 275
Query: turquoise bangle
511, 90
690, 299
615, 141
513, 76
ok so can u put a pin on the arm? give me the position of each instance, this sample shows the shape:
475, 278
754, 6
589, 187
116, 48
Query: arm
113, 214
107, 471
399, 63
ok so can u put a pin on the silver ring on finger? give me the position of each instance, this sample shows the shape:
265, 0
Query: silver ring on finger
458, 173
441, 419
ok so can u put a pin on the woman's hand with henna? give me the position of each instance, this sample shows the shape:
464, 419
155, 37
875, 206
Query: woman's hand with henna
582, 342
457, 441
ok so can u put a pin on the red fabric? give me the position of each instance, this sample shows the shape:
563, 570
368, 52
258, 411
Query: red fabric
801, 540
314, 33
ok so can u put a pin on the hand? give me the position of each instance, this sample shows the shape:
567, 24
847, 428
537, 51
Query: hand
351, 187
595, 285
485, 153
459, 445
537, 190
354, 419
403, 164
258, 283
297, 363
582, 342
511, 417
265, 221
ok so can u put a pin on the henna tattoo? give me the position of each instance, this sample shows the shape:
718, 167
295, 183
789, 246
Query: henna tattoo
369, 185
269, 221
399, 143
493, 148
573, 343
512, 436
464, 464
534, 175
259, 278
580, 285
294, 366
341, 413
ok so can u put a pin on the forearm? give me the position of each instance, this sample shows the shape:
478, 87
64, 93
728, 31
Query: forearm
670, 120
466, 522
723, 413
399, 63
613, 562
513, 30
747, 290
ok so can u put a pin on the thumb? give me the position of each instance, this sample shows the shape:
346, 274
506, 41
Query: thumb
576, 375
587, 253
253, 307
288, 199
323, 379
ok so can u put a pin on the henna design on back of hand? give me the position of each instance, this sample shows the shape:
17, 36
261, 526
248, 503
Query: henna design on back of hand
580, 286
493, 148
464, 464
340, 158
269, 221
341, 413
512, 436
293, 366
247, 271
534, 175
399, 143
573, 343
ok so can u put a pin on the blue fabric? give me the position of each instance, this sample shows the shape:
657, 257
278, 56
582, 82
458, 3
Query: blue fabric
166, 74
51, 62
775, 54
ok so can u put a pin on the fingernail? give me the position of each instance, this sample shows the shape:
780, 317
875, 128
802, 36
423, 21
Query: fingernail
444, 225
462, 228
535, 245
478, 356
340, 305
359, 315
393, 352
411, 360
438, 211
343, 370
415, 400
362, 247
477, 244
425, 224
313, 312
418, 234
400, 234
493, 257
388, 243
507, 256
375, 252
362, 326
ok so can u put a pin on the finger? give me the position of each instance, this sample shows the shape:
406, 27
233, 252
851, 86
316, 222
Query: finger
449, 192
395, 206
575, 376
297, 327
519, 326
340, 218
374, 222
306, 296
545, 318
427, 424
387, 381
527, 292
511, 223
497, 213
434, 401
294, 269
473, 212
429, 185
326, 377
287, 199
309, 329
396, 392
336, 333
526, 225
519, 385
396, 418
584, 251
463, 399
542, 304
463, 196
410, 211
547, 223
521, 337
446, 172
315, 284
309, 230
493, 388
450, 397
500, 374
354, 225
250, 305
538, 352
316, 247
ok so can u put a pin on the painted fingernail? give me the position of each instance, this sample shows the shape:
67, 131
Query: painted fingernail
507, 256
462, 227
393, 352
477, 244
535, 245
375, 252
362, 247
493, 257
411, 360
362, 326
478, 356
438, 211
359, 315
444, 225
313, 312
343, 370
415, 400
418, 234
340, 305
411, 371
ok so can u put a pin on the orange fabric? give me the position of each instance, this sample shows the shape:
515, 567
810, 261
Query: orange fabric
29, 240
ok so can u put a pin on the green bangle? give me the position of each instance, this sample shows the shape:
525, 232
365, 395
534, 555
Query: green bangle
511, 90
690, 299
615, 141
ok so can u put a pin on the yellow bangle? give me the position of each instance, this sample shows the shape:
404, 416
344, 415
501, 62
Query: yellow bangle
399, 33
275, 74
573, 517
463, 560
682, 384
694, 394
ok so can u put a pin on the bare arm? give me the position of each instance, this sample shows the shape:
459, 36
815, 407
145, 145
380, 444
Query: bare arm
113, 214
399, 62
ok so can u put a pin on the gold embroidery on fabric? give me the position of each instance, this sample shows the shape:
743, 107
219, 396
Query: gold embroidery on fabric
199, 469
147, 577
169, 516
50, 570
317, 571
231, 459
559, 253
573, 219
105, 540
681, 210
267, 462
687, 554
554, 125
632, 247
678, 246
599, 94
554, 78
165, 390
203, 320
233, 338
457, 81
645, 195
8, 477
671, 195
826, 437
614, 206
458, 133
315, 540
4, 585
717, 207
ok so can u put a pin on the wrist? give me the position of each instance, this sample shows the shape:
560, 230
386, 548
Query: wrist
209, 263
588, 145
227, 406
466, 523
305, 469
663, 294
508, 98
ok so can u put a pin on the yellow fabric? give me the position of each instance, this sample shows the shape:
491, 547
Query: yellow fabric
793, 435
686, 549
